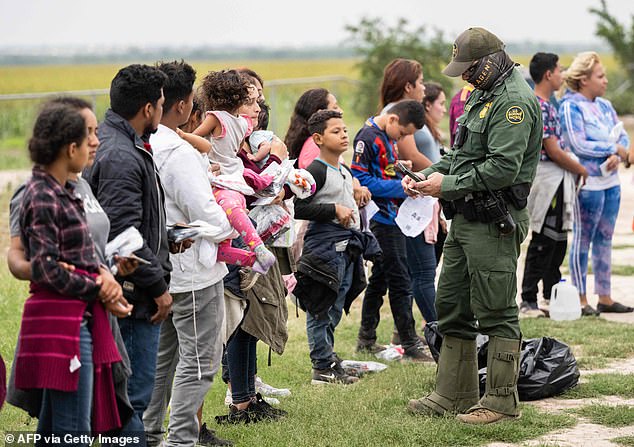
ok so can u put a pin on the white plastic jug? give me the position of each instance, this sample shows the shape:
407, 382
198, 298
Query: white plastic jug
564, 302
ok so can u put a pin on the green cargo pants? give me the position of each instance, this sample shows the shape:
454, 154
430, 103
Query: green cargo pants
478, 280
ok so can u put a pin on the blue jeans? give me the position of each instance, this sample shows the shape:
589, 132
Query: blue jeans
241, 359
141, 339
321, 333
65, 412
390, 272
421, 260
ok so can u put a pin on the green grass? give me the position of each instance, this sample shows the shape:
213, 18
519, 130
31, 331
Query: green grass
622, 270
17, 116
617, 269
50, 78
623, 440
14, 159
371, 412
590, 337
608, 415
622, 246
597, 385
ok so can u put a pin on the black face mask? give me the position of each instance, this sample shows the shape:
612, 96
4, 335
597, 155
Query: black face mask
489, 69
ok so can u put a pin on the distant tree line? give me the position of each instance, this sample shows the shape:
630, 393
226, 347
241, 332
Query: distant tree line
135, 54
621, 40
378, 44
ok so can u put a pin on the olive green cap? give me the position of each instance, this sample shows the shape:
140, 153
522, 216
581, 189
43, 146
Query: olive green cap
470, 46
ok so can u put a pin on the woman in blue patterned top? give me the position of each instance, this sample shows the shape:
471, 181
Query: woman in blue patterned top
591, 129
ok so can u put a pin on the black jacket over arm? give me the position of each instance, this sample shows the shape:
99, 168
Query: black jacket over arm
317, 274
125, 182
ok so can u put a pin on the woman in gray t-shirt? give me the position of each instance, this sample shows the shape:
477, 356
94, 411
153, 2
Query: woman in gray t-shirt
99, 228
429, 139
97, 220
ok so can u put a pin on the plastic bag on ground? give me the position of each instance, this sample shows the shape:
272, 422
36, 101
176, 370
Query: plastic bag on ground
547, 366
433, 338
358, 368
391, 353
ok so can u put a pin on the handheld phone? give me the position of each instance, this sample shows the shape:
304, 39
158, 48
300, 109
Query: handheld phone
405, 170
139, 260
179, 232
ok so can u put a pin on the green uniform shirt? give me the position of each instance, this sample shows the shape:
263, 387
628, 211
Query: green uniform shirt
505, 137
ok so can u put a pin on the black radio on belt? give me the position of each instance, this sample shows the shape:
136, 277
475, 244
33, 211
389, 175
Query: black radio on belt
461, 136
448, 208
496, 209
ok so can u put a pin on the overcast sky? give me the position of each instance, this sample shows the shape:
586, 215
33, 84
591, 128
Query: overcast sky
283, 22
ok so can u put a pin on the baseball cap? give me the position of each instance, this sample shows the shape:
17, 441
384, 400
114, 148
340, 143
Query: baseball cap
470, 46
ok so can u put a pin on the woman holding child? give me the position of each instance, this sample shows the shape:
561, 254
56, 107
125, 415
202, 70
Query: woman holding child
221, 89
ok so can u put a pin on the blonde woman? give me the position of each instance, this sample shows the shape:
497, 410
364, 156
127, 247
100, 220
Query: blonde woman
588, 123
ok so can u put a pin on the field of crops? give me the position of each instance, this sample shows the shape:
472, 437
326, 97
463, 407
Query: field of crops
47, 78
16, 117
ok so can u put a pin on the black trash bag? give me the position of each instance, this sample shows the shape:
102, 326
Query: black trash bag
433, 338
547, 366
434, 342
482, 346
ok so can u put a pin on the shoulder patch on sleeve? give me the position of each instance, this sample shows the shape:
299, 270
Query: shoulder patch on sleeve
358, 152
515, 115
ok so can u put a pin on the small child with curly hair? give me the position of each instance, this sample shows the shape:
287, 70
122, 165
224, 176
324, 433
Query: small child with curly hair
225, 92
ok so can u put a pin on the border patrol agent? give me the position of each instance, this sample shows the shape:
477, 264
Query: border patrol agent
483, 183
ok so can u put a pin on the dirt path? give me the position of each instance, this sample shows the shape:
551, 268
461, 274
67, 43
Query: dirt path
586, 434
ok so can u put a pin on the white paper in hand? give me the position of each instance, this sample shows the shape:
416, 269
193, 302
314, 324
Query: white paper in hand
126, 243
415, 214
615, 133
367, 212
75, 364
604, 169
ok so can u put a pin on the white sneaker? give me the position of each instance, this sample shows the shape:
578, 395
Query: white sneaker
228, 398
267, 390
530, 310
269, 400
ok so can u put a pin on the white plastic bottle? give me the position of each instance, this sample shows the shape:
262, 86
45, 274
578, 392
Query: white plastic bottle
564, 302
